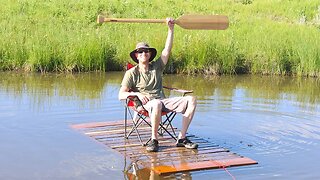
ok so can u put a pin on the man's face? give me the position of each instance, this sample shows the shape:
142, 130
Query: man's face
143, 55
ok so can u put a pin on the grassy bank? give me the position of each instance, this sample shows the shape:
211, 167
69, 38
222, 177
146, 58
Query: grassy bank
265, 36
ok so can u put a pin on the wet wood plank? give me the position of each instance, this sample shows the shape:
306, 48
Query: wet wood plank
170, 159
96, 124
211, 164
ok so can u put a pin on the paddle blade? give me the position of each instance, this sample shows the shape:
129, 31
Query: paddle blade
214, 22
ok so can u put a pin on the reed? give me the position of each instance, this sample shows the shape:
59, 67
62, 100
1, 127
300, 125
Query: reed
265, 36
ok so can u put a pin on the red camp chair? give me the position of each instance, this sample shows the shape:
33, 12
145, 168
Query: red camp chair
140, 116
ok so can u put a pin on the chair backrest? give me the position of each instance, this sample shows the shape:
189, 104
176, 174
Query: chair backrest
129, 66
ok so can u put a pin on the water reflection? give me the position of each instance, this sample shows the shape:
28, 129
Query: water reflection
43, 90
147, 174
90, 86
305, 90
84, 86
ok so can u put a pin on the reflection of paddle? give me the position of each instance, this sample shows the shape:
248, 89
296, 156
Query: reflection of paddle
216, 22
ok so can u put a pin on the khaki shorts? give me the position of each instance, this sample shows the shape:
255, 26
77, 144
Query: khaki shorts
176, 104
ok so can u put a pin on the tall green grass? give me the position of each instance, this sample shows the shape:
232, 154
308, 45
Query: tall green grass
264, 37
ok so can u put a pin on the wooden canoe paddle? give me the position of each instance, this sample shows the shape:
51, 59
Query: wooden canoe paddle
213, 22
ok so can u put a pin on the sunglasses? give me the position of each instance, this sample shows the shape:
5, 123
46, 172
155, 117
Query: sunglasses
140, 51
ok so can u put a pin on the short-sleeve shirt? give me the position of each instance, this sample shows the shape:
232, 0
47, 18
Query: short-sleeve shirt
148, 83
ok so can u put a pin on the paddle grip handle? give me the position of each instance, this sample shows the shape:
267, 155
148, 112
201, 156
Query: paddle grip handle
103, 19
138, 20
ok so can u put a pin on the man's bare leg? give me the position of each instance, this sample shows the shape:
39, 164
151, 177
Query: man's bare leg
155, 116
154, 109
188, 116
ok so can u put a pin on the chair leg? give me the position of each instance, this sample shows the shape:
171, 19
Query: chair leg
166, 123
170, 119
137, 120
125, 122
136, 123
136, 130
134, 119
168, 132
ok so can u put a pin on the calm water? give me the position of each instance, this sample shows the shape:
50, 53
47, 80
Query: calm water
274, 120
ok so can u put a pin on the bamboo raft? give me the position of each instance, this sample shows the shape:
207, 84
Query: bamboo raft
170, 159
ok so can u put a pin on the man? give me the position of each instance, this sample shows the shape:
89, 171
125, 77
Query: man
145, 81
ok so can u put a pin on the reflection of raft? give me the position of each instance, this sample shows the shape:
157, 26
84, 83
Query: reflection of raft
169, 159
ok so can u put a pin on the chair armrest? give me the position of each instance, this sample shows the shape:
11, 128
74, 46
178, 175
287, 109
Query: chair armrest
135, 103
183, 91
133, 100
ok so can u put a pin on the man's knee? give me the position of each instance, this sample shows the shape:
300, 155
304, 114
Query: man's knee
192, 100
156, 105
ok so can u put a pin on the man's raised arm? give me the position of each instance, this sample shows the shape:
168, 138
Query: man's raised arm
168, 46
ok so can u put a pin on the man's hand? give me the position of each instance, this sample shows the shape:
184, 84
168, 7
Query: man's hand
143, 98
170, 22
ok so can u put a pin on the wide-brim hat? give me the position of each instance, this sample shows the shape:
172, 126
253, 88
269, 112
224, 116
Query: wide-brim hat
143, 45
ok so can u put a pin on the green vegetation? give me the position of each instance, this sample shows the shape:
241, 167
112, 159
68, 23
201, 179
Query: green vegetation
264, 37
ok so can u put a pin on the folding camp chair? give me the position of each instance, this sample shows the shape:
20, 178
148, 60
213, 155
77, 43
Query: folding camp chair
140, 116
